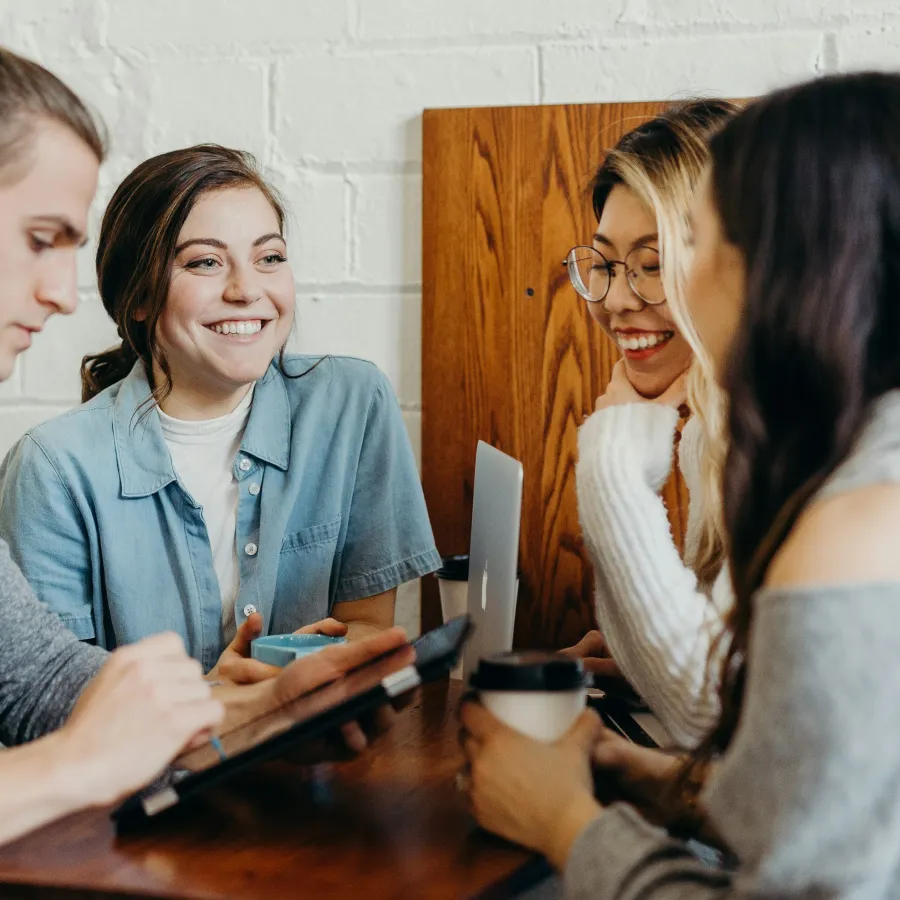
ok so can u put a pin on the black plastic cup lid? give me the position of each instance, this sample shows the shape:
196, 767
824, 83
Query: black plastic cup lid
454, 568
529, 671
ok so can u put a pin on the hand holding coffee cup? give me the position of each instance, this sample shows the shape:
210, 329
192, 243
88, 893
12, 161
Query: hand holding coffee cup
527, 747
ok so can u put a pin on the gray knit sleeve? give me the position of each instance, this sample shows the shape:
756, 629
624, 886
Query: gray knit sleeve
43, 666
808, 795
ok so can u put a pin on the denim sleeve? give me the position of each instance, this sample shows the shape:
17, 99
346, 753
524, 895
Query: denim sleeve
40, 521
389, 539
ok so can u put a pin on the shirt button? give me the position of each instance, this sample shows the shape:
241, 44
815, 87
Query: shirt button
254, 489
250, 549
244, 464
249, 609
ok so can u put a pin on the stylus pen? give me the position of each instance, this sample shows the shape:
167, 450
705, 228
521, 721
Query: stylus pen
216, 743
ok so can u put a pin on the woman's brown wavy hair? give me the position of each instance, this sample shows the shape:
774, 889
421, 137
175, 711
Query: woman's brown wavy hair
136, 249
806, 183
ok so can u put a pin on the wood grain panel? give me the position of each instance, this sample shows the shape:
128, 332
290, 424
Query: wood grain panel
510, 354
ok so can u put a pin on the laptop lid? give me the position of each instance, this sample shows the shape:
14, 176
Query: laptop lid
493, 554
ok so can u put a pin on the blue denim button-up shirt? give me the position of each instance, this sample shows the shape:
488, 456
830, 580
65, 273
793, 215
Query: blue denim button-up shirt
330, 499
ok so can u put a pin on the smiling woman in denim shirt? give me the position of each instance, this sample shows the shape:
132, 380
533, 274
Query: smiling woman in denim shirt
211, 484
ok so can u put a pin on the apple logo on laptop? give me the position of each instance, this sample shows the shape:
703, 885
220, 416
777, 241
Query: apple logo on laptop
484, 581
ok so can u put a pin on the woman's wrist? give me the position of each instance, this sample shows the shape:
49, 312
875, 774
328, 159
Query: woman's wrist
568, 826
244, 702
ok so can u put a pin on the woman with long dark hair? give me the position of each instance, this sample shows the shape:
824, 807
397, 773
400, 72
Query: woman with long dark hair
795, 294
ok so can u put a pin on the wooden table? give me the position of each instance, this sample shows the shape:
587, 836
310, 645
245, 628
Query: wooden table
389, 824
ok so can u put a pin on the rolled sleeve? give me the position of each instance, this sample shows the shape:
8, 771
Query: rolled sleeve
389, 539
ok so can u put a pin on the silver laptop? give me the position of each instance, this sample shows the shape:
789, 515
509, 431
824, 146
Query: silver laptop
493, 554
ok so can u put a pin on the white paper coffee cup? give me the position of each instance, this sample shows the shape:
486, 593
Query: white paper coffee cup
453, 581
538, 694
454, 598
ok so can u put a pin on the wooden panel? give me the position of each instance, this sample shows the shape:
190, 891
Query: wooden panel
510, 354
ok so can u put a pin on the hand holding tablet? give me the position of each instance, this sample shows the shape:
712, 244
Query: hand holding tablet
311, 698
147, 703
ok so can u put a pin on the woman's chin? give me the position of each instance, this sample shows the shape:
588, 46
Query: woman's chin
245, 363
654, 376
234, 377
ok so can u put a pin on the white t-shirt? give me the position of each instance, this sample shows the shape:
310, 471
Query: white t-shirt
203, 455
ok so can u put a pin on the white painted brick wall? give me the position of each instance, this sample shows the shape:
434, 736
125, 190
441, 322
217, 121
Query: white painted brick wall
361, 106
639, 68
329, 94
387, 236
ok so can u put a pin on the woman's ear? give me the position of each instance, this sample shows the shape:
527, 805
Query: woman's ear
140, 314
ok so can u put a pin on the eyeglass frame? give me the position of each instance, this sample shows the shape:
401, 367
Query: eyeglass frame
611, 271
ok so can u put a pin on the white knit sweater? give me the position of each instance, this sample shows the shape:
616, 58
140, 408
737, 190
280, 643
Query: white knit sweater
658, 624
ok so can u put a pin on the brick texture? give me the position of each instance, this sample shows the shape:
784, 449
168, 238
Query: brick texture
330, 96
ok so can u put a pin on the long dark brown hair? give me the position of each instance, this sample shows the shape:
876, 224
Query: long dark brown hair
807, 186
136, 249
29, 94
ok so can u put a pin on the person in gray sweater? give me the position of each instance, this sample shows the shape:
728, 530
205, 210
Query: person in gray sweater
94, 726
795, 292
126, 716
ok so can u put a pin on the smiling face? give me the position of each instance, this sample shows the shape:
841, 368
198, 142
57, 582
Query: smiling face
43, 222
230, 303
716, 282
655, 353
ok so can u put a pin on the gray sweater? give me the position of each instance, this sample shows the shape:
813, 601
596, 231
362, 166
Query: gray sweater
43, 666
808, 794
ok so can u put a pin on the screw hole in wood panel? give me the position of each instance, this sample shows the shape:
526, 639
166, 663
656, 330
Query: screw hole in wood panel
510, 354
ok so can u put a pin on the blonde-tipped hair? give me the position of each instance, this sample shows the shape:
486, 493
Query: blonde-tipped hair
662, 162
30, 94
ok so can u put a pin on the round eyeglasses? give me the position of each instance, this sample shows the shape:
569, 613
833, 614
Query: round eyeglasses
591, 274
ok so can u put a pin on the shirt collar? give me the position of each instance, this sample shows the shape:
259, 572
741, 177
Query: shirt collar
145, 464
268, 434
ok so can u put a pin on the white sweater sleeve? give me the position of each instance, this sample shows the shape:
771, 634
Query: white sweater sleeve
658, 624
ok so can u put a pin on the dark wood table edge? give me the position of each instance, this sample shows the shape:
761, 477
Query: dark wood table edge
16, 891
529, 875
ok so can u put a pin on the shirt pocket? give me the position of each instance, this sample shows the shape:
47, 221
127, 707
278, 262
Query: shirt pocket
305, 566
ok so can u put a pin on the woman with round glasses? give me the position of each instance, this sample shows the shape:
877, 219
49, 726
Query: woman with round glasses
656, 352
653, 606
